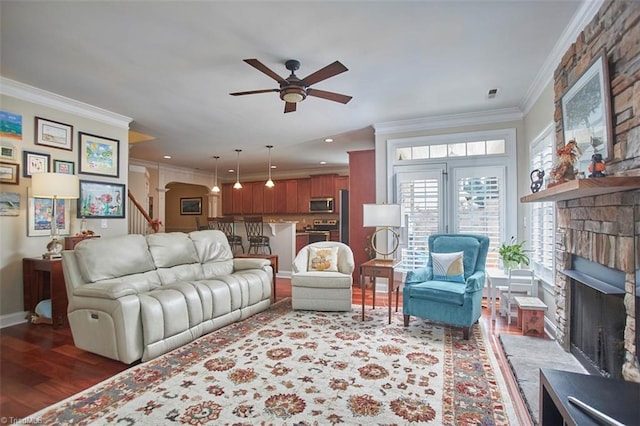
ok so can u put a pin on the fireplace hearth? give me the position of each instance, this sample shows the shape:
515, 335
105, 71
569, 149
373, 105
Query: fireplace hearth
597, 317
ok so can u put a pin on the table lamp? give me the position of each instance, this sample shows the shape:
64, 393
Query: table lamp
55, 186
383, 216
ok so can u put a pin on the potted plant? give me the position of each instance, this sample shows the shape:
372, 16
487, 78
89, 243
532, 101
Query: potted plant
513, 255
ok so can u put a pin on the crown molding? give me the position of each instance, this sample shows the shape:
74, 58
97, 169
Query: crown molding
448, 121
34, 95
585, 13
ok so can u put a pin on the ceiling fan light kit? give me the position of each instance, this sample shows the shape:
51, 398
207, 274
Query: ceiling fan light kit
293, 89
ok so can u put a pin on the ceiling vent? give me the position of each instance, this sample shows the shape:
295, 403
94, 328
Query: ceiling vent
492, 93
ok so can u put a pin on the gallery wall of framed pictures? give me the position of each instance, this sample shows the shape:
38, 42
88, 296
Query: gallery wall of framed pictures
60, 147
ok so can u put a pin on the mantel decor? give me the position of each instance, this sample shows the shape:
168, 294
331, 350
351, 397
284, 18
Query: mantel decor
586, 113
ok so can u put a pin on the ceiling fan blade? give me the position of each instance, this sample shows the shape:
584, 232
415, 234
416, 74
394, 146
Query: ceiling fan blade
253, 92
263, 68
289, 107
336, 97
324, 73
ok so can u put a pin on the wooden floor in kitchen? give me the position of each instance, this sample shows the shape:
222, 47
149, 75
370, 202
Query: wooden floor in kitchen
40, 366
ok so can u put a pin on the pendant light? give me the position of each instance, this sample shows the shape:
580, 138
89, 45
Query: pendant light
216, 188
238, 185
269, 183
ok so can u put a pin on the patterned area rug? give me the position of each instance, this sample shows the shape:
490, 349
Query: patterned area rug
299, 367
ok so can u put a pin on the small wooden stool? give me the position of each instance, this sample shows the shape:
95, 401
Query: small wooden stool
531, 315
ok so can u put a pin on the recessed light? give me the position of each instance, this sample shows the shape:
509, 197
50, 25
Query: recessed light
328, 140
323, 162
168, 157
231, 171
273, 166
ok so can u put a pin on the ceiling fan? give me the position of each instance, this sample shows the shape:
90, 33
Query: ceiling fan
293, 89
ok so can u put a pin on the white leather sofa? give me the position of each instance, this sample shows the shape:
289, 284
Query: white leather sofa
136, 297
322, 289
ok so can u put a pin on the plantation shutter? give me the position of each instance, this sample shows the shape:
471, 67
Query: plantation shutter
541, 237
479, 205
421, 199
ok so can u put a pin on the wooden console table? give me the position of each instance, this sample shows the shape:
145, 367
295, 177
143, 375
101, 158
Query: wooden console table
383, 269
43, 279
617, 399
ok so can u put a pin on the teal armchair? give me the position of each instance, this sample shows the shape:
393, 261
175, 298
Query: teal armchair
449, 293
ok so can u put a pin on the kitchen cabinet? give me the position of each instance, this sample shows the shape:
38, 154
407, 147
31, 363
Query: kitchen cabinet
322, 186
290, 196
304, 195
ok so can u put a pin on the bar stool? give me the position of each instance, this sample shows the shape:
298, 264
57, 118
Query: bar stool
227, 225
255, 234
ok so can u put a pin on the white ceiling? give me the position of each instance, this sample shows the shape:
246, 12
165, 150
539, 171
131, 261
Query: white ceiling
171, 66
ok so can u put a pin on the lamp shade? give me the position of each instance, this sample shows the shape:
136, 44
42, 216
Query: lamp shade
381, 215
49, 185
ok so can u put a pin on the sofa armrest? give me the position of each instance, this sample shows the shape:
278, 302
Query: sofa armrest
419, 275
105, 290
243, 263
475, 281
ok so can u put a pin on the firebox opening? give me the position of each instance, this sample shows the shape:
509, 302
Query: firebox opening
597, 317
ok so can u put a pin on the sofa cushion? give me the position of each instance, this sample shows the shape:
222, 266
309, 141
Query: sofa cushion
105, 258
211, 246
439, 291
171, 249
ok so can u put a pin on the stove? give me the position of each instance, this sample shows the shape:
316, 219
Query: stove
321, 230
325, 225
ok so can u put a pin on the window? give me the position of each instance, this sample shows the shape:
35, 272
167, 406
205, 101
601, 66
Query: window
541, 238
451, 150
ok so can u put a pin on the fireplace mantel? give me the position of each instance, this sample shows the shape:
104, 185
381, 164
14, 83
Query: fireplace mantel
579, 188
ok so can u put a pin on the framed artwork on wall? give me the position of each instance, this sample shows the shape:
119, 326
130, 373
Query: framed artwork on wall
101, 200
98, 155
9, 173
39, 216
67, 167
586, 113
54, 134
10, 126
34, 162
7, 151
9, 203
191, 205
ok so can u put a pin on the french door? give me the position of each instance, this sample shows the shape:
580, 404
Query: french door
449, 197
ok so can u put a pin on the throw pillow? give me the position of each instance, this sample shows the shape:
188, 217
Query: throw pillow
323, 259
448, 266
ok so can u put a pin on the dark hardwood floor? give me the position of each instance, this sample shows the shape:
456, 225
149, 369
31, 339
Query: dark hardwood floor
40, 366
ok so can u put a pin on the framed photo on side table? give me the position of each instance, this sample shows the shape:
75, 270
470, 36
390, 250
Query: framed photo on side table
586, 113
54, 134
101, 200
98, 155
191, 205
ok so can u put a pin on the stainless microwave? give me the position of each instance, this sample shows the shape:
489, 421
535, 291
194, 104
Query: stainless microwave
321, 205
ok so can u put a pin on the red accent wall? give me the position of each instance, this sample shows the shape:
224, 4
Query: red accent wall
362, 190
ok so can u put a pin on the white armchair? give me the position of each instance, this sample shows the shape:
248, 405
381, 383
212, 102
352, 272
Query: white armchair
322, 277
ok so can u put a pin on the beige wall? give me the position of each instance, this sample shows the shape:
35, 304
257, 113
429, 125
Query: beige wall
176, 222
14, 243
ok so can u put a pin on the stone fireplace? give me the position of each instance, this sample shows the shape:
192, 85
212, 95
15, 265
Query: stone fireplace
602, 227
598, 230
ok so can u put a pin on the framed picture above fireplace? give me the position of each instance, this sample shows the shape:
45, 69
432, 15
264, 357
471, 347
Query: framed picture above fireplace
586, 113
